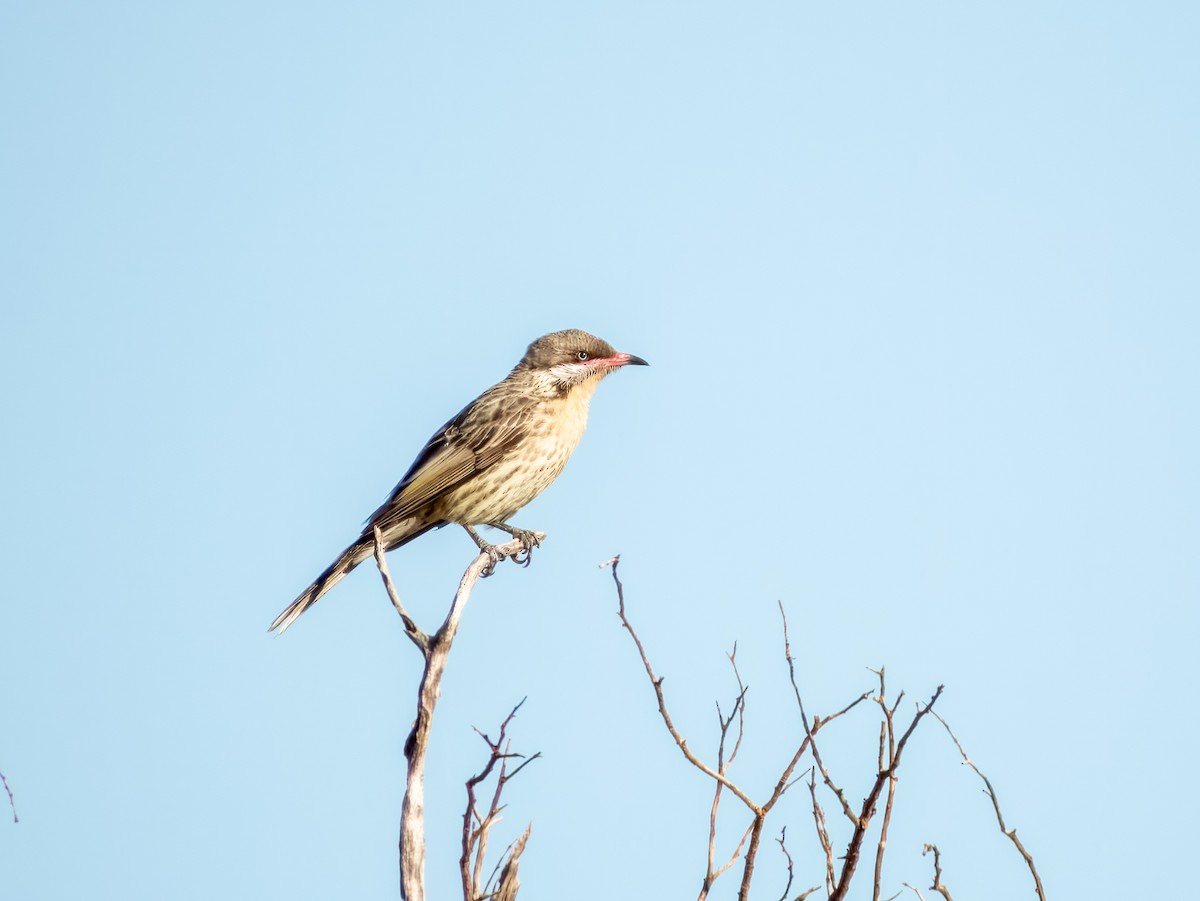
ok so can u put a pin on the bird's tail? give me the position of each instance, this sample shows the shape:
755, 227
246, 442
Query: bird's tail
350, 558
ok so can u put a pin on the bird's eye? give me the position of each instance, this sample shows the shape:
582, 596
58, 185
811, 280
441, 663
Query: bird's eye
581, 356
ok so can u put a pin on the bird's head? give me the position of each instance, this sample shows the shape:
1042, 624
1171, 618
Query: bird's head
569, 358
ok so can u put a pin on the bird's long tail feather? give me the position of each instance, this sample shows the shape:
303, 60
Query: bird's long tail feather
350, 558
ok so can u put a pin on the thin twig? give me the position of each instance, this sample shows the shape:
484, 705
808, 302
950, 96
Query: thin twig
850, 861
810, 731
890, 752
883, 831
11, 802
739, 711
759, 811
822, 832
887, 742
937, 886
991, 793
739, 708
419, 638
657, 682
783, 847
485, 827
476, 839
713, 876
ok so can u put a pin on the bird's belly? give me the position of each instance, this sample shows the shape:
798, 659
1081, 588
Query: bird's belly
498, 492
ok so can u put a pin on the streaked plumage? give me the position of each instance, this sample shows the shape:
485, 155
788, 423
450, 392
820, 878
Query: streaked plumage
493, 458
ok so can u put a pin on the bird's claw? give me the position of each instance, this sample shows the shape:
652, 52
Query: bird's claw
529, 540
527, 537
493, 556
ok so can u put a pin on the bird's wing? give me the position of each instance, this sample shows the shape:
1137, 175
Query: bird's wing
460, 448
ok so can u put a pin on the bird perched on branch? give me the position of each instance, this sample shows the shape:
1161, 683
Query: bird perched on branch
490, 460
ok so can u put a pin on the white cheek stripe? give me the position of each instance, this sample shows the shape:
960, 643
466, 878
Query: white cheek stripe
573, 373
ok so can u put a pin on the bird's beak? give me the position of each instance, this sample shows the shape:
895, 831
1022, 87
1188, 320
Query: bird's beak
628, 360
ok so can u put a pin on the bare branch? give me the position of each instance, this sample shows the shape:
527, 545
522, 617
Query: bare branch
781, 786
712, 875
11, 802
810, 731
739, 707
991, 793
890, 752
819, 723
509, 883
785, 780
782, 840
436, 651
822, 832
739, 711
474, 838
887, 739
656, 681
868, 808
937, 871
480, 835
419, 638
837, 791
883, 831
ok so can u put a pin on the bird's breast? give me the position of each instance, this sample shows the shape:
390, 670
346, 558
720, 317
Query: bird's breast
549, 435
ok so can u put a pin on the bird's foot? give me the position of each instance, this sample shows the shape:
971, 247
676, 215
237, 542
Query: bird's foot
493, 554
528, 538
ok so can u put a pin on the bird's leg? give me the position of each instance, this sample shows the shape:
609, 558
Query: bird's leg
489, 549
529, 540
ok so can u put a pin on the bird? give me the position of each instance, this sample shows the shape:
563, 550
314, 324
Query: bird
500, 452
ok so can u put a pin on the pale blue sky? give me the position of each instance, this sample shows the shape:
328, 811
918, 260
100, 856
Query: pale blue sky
918, 284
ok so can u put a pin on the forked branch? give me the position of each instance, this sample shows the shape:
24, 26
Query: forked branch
435, 649
868, 808
753, 836
477, 827
892, 742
